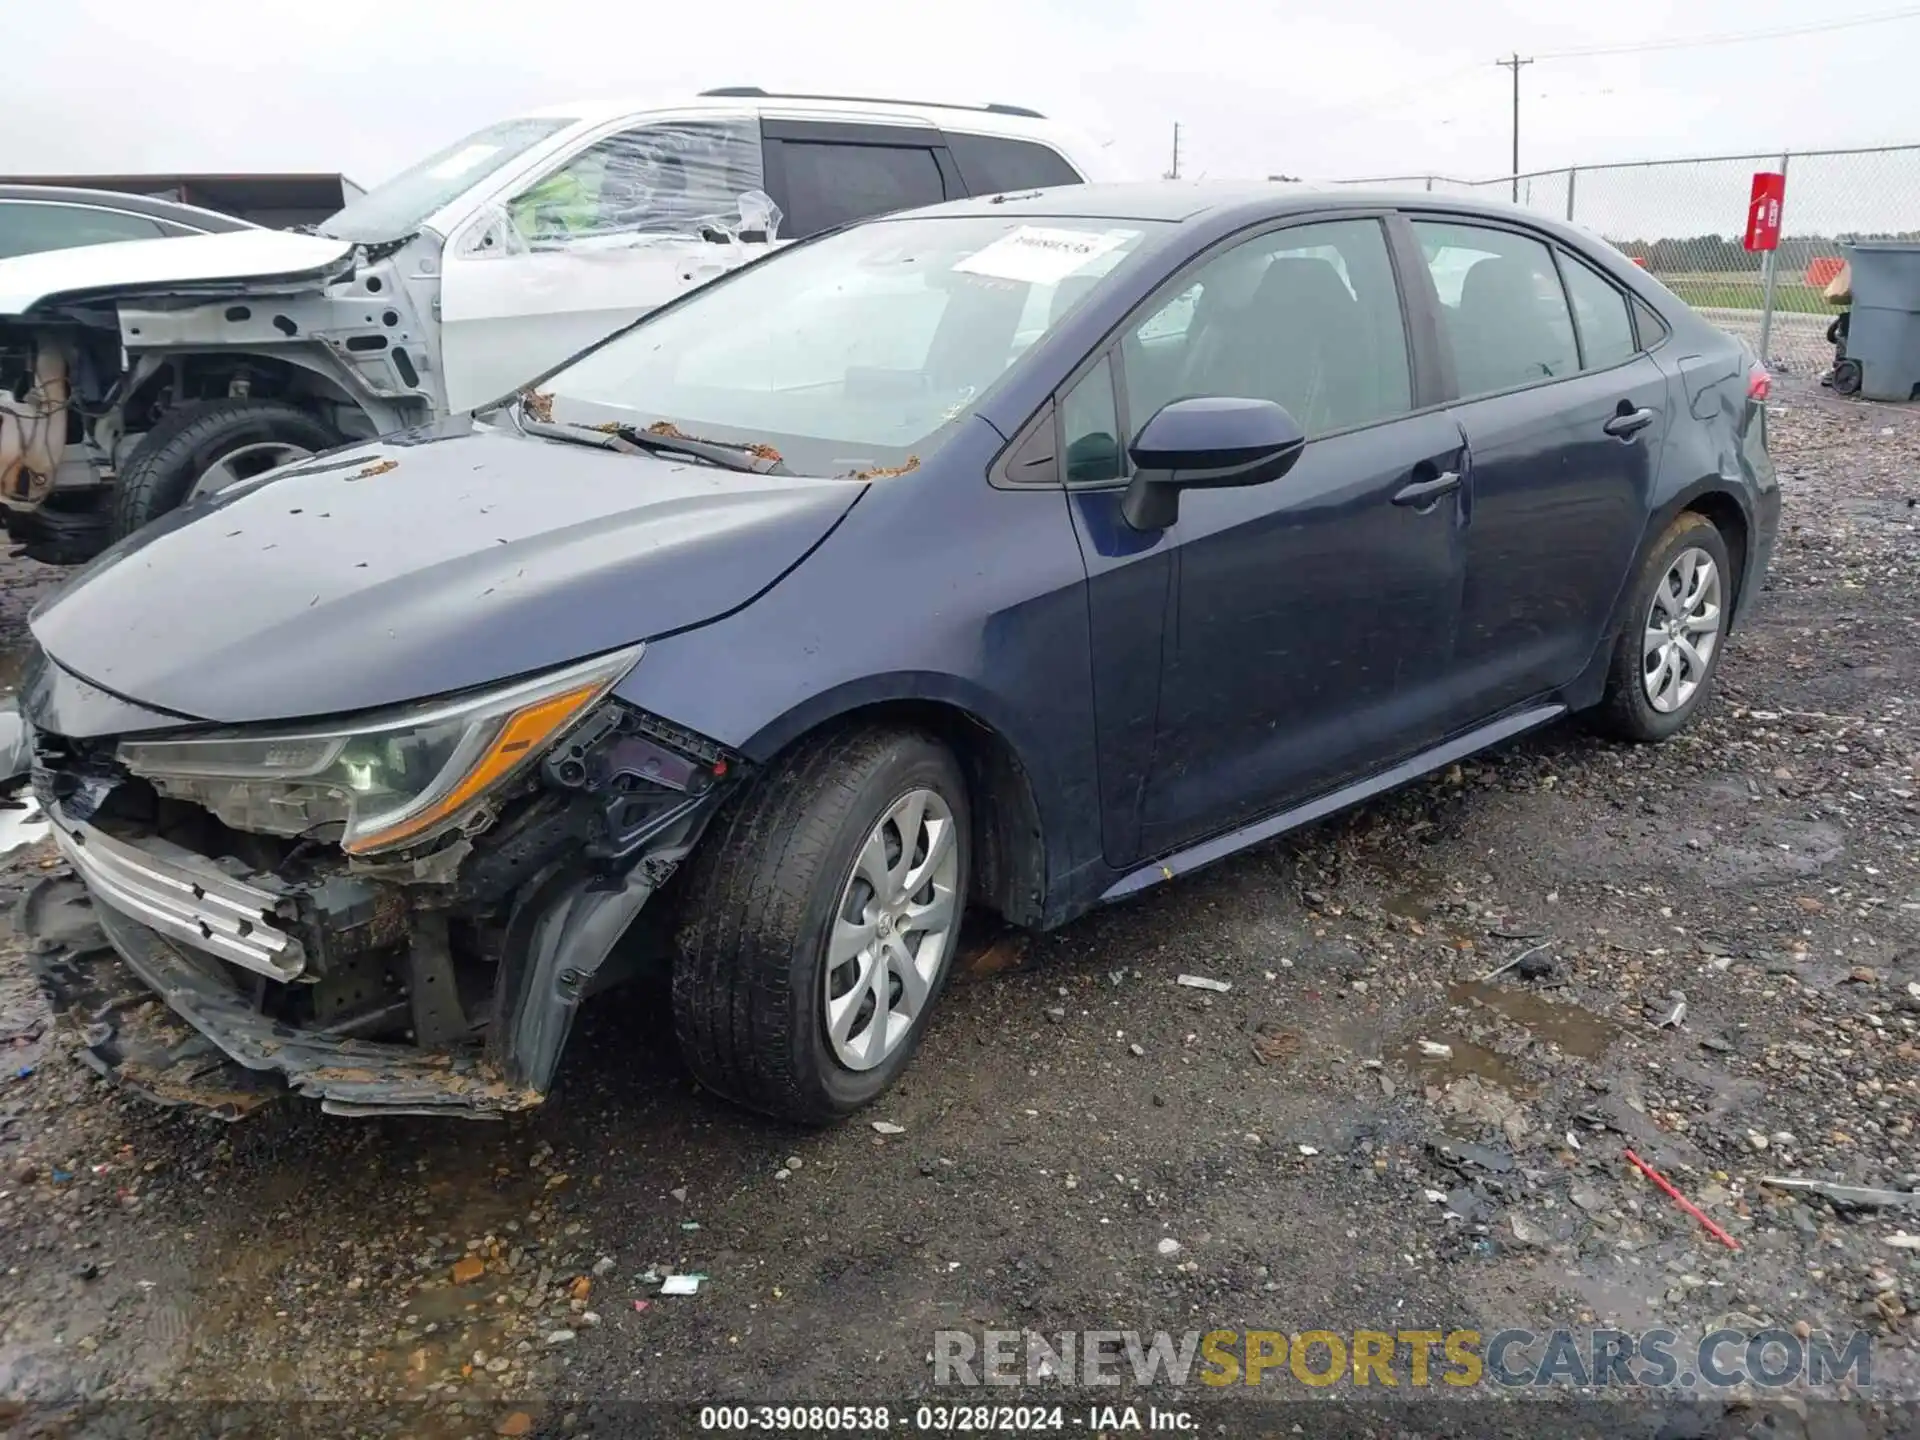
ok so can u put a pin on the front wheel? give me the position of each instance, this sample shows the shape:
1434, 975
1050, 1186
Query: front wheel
819, 922
199, 449
1668, 650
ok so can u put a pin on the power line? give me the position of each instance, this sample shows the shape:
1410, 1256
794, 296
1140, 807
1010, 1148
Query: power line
1884, 17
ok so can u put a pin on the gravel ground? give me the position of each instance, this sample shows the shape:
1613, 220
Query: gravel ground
1074, 1110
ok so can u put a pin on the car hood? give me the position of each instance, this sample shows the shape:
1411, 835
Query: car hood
429, 562
195, 264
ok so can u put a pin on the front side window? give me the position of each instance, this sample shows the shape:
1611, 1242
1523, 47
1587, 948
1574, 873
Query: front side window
857, 352
1308, 317
680, 179
1502, 309
830, 183
1090, 428
28, 227
402, 205
1606, 324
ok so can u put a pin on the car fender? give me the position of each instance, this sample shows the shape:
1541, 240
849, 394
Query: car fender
1588, 687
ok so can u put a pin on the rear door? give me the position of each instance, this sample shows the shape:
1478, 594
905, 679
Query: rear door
1564, 414
826, 173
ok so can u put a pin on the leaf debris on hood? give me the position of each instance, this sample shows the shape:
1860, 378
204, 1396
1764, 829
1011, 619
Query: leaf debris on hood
885, 472
667, 430
378, 467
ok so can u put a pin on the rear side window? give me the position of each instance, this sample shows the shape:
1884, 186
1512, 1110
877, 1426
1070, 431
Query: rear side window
831, 184
28, 227
991, 165
1600, 311
1502, 307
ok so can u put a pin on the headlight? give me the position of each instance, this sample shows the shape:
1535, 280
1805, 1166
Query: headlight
396, 778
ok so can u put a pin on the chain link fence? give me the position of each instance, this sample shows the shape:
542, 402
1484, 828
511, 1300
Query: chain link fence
1683, 220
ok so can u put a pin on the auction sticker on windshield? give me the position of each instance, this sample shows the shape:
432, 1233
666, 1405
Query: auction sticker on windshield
1038, 255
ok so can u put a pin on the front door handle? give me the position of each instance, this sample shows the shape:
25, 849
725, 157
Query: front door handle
1422, 493
1628, 423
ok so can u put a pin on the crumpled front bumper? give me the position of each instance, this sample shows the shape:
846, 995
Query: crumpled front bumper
233, 1059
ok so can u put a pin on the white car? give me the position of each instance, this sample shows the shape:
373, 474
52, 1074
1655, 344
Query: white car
137, 376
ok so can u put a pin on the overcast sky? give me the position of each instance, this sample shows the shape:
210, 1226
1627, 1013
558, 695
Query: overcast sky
1363, 87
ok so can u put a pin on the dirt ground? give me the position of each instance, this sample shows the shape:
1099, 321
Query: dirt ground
1074, 1108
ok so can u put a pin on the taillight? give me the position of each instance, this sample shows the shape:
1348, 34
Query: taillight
1759, 382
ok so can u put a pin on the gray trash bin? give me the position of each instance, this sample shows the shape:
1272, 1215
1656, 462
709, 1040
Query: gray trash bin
1883, 334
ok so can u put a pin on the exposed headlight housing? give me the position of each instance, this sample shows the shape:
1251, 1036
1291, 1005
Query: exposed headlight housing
389, 780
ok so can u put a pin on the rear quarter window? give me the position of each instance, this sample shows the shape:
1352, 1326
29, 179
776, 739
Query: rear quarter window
991, 165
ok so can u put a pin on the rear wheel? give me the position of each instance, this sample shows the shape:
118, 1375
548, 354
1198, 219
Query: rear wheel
1846, 378
819, 923
1666, 655
199, 449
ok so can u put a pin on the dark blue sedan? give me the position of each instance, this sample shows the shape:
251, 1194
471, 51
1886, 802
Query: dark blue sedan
1020, 554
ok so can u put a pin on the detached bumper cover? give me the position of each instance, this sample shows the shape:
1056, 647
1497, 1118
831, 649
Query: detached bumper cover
349, 1076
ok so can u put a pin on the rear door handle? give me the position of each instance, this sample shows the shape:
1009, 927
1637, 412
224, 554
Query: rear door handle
1628, 424
1422, 493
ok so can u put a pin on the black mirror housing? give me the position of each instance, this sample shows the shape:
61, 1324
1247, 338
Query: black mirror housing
1214, 442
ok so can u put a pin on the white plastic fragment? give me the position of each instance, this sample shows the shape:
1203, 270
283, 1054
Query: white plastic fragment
887, 1127
681, 1285
1201, 982
1434, 1050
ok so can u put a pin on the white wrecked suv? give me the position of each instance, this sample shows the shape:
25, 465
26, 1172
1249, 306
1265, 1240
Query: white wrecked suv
137, 376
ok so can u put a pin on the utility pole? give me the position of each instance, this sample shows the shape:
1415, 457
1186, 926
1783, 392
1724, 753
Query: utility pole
1174, 173
1514, 65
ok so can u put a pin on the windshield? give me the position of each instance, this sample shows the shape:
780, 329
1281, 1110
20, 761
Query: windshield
849, 355
400, 206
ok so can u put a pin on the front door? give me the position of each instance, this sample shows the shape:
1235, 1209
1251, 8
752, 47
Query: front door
1565, 415
1305, 624
620, 228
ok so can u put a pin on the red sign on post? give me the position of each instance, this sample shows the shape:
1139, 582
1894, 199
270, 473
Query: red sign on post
1763, 210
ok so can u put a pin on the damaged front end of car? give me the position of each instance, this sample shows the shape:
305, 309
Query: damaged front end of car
396, 913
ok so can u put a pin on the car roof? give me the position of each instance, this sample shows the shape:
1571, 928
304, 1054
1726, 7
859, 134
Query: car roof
1013, 122
211, 221
1182, 200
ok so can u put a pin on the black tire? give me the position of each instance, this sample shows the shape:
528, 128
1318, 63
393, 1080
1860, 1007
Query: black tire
56, 535
1625, 712
1847, 376
755, 913
189, 438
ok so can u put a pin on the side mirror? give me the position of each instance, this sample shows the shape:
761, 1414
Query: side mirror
1210, 443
